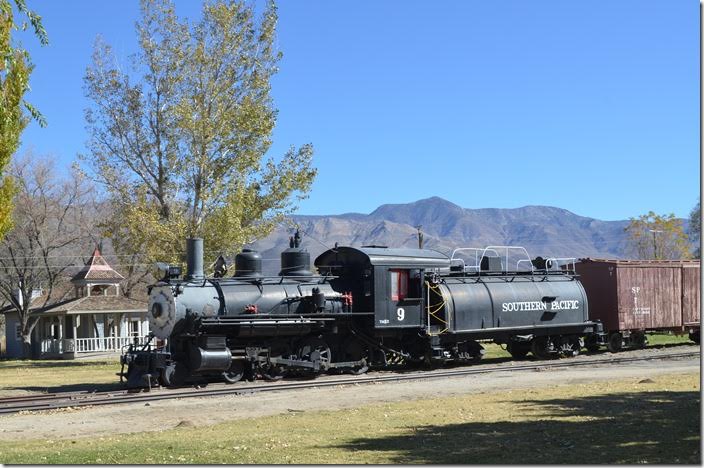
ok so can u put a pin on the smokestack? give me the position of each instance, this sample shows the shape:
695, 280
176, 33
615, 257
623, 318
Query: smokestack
194, 259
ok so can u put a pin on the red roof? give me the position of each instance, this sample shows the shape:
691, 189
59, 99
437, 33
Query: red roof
96, 268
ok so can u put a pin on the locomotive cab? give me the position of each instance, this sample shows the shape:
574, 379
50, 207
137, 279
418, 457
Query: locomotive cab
386, 282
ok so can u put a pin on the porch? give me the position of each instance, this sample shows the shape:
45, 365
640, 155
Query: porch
52, 346
67, 336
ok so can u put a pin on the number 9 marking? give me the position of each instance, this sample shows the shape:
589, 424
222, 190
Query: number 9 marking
400, 314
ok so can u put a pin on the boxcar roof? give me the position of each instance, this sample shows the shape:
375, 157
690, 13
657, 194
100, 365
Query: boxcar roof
645, 263
425, 258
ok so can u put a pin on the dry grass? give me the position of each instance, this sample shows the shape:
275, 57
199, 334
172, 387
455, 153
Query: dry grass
627, 421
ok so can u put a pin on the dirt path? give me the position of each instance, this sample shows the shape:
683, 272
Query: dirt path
167, 414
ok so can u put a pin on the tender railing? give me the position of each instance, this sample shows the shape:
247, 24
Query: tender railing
507, 252
556, 264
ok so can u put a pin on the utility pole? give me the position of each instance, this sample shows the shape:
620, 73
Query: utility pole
420, 236
655, 244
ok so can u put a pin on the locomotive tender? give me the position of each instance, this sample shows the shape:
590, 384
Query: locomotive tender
366, 306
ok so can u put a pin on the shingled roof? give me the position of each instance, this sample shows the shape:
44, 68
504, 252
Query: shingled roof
97, 268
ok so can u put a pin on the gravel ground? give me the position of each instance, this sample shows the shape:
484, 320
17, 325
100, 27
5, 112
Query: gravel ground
166, 414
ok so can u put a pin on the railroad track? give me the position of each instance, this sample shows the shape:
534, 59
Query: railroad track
55, 401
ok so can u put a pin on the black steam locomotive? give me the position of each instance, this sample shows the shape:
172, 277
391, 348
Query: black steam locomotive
366, 306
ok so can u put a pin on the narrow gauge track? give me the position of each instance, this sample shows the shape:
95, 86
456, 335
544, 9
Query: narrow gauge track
78, 399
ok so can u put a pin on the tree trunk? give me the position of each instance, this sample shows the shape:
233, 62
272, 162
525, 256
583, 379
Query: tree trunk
27, 346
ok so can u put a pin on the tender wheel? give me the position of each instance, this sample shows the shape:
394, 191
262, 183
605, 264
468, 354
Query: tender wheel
591, 344
315, 349
570, 346
518, 350
542, 348
234, 373
615, 343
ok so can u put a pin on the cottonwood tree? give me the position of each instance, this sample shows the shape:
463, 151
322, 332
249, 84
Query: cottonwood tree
15, 69
695, 228
52, 219
657, 237
178, 138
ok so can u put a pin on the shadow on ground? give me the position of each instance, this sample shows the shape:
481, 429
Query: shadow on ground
638, 427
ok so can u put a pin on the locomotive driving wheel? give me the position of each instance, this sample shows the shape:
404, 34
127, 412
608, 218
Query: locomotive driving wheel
315, 349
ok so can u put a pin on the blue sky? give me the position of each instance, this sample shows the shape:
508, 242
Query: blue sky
589, 106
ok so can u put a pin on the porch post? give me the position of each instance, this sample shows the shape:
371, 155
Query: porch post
69, 344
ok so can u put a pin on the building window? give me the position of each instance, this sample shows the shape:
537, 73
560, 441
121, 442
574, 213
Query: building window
134, 327
18, 332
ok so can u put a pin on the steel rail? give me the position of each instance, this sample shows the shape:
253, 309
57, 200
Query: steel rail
15, 404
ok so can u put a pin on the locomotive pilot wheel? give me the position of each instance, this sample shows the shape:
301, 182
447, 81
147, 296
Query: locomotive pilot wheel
234, 373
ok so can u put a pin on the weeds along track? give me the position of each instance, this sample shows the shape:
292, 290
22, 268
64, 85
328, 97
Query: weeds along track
55, 401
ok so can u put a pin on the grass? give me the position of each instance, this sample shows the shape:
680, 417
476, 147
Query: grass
626, 421
58, 375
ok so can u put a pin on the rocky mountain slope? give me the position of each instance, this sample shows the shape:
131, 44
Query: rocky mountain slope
542, 230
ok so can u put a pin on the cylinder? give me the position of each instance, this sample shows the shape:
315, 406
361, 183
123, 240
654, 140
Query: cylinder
209, 359
194, 259
248, 263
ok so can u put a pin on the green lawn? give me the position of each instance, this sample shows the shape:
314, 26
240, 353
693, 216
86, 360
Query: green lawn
41, 375
628, 421
18, 375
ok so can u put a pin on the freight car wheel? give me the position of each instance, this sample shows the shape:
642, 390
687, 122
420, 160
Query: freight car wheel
234, 373
694, 336
639, 340
615, 343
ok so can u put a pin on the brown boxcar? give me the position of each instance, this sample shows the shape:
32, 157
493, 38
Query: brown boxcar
631, 297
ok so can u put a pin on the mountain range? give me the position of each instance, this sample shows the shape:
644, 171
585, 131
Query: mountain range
542, 230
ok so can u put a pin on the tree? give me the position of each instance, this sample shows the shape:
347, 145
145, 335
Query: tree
657, 237
179, 141
695, 228
15, 68
51, 219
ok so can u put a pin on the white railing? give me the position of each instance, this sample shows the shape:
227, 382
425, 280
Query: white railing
109, 343
88, 345
52, 346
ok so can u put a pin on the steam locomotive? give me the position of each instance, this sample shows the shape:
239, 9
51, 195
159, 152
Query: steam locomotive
365, 306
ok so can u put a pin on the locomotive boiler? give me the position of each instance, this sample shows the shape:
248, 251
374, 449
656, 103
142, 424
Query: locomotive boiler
365, 306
